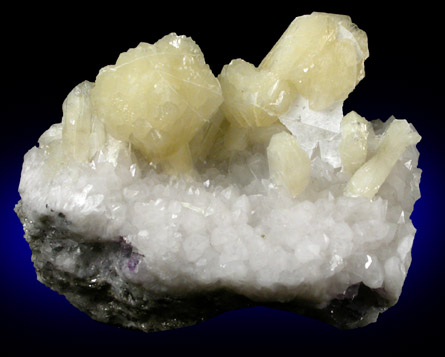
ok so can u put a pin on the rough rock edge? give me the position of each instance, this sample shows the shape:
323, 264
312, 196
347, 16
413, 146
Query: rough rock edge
107, 297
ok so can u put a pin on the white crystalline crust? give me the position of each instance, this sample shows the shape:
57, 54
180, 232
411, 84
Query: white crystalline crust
236, 230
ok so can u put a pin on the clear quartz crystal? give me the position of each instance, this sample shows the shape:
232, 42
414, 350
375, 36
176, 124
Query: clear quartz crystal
369, 178
314, 129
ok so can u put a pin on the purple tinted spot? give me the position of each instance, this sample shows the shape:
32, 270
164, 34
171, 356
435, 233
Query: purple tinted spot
133, 262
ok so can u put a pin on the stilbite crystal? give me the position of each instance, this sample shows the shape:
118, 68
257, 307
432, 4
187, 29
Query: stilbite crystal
289, 165
236, 138
262, 136
354, 141
82, 134
322, 55
369, 178
157, 96
252, 97
203, 142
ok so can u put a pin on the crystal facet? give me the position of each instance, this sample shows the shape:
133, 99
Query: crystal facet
354, 141
157, 96
368, 178
322, 55
252, 97
289, 165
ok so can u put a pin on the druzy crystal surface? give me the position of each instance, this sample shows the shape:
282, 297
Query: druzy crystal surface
167, 195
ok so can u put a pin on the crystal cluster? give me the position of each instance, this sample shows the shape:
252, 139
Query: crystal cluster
168, 195
322, 55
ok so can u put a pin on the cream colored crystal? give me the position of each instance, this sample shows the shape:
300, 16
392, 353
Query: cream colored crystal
368, 179
289, 165
204, 140
354, 141
253, 98
82, 134
180, 162
157, 96
51, 142
322, 55
236, 139
262, 135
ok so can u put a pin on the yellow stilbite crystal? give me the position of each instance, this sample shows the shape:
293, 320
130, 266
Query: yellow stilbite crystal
157, 96
236, 138
179, 162
367, 179
82, 134
253, 98
51, 142
163, 100
354, 141
263, 135
322, 55
204, 140
289, 165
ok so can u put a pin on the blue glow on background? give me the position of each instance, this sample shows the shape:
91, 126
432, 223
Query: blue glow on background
42, 318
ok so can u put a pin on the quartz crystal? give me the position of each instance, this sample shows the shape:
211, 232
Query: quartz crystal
167, 195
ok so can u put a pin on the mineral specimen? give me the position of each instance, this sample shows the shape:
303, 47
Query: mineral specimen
157, 96
369, 177
167, 195
253, 98
354, 144
288, 163
323, 55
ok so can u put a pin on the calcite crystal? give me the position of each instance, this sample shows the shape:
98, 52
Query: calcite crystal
168, 195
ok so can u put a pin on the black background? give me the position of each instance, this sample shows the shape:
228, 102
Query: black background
48, 49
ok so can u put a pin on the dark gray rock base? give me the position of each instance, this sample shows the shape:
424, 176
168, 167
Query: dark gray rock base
94, 283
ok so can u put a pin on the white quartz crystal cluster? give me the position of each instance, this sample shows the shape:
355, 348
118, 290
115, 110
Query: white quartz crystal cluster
276, 196
235, 229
